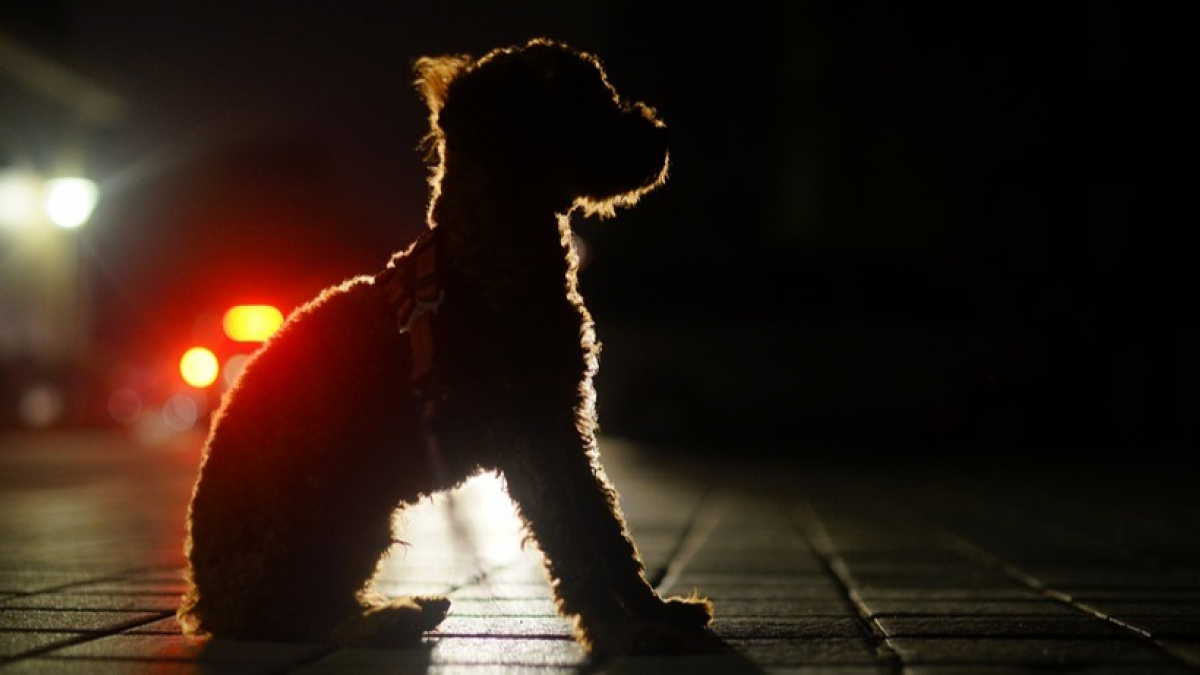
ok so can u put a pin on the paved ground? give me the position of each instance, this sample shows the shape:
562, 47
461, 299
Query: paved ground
852, 566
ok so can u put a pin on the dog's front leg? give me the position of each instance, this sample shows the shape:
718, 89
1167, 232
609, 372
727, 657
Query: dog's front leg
573, 513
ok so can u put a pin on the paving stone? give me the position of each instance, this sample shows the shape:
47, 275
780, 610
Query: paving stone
1091, 594
732, 663
502, 590
1042, 669
1009, 592
746, 587
179, 648
166, 626
94, 591
1033, 651
762, 629
751, 562
960, 608
1084, 575
1029, 626
51, 666
1186, 651
17, 643
826, 669
503, 626
921, 556
964, 578
536, 607
492, 651
906, 566
97, 601
729, 608
416, 662
60, 620
23, 581
150, 584
806, 651
532, 574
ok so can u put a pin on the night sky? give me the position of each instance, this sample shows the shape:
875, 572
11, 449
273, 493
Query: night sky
949, 224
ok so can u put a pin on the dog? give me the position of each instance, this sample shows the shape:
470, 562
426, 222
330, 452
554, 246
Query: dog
471, 351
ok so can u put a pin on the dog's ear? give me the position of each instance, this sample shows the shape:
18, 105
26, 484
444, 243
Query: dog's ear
434, 75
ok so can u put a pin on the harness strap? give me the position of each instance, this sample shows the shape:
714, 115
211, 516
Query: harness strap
410, 286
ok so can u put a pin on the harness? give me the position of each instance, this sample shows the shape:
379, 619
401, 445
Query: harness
409, 285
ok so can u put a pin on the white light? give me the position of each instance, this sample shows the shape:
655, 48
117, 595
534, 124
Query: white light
19, 192
69, 201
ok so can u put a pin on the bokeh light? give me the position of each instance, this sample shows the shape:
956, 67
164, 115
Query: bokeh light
252, 323
41, 405
181, 411
124, 405
70, 201
199, 367
234, 366
19, 191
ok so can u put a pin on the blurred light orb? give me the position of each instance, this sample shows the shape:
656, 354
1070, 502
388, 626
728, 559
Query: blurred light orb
180, 412
124, 405
19, 196
70, 201
41, 405
199, 367
252, 323
234, 366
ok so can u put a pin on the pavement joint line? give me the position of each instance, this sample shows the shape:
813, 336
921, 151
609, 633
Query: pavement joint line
20, 595
710, 508
980, 555
53, 646
82, 637
812, 528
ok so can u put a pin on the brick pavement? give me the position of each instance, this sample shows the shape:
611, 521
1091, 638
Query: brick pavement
836, 569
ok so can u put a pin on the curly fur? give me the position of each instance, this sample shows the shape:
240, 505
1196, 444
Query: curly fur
324, 437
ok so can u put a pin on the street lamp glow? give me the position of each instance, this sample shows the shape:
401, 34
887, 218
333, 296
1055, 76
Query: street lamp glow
19, 192
69, 201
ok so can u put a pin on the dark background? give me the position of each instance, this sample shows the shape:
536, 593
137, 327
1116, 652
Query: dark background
920, 228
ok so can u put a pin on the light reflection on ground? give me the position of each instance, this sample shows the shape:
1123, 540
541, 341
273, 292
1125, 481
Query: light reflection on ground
465, 537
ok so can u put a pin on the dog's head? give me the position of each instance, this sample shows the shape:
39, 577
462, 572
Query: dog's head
544, 116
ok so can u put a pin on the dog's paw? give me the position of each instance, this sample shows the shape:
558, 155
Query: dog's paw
690, 612
400, 622
646, 638
674, 626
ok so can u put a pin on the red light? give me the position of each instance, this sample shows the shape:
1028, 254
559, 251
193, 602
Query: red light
252, 323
